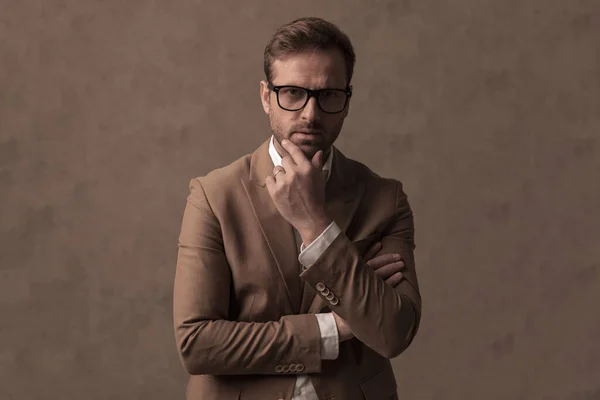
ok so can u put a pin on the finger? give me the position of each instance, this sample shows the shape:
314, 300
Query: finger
383, 260
270, 184
288, 164
295, 153
278, 168
372, 250
388, 270
395, 279
284, 152
317, 160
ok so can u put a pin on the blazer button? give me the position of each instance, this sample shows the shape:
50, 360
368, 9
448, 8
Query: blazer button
326, 292
335, 301
279, 368
320, 286
330, 296
300, 368
286, 368
293, 367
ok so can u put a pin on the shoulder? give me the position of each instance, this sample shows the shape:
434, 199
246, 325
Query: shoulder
382, 192
373, 181
223, 180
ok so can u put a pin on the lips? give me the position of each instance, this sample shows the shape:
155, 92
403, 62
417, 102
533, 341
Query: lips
309, 132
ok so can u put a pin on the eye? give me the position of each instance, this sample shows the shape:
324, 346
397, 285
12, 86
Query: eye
331, 93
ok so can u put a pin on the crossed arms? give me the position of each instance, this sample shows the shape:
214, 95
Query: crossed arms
382, 317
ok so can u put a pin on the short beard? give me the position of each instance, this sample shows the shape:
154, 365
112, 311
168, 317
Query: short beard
279, 137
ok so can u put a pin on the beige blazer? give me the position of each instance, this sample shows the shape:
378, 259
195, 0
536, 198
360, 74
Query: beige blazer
242, 303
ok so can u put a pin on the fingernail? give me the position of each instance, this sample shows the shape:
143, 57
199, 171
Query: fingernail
284, 141
397, 256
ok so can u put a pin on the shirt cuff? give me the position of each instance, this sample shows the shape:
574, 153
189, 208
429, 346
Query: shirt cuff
309, 255
330, 342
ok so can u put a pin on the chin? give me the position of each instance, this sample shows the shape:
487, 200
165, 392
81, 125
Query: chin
308, 146
310, 150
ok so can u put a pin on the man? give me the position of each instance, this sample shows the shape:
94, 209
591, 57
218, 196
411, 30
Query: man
288, 281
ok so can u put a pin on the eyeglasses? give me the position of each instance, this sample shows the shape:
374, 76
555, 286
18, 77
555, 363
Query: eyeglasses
294, 98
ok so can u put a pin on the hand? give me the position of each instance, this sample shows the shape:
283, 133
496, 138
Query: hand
386, 265
298, 191
344, 332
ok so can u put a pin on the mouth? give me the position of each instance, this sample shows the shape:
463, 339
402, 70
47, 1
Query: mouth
309, 133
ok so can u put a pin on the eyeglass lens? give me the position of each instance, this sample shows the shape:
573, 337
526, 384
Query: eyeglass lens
293, 99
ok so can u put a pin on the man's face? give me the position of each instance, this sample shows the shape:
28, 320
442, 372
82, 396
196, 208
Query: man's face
311, 70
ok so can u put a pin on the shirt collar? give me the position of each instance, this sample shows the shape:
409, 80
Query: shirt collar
276, 158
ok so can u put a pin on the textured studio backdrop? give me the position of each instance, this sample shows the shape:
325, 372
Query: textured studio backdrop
488, 111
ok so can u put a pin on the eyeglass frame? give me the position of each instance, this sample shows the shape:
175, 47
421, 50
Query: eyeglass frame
310, 93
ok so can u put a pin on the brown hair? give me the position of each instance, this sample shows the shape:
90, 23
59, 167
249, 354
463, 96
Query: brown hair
309, 33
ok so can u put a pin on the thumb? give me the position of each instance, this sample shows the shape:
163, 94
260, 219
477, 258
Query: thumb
317, 160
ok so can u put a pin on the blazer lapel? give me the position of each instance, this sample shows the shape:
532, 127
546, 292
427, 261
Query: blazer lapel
277, 232
343, 194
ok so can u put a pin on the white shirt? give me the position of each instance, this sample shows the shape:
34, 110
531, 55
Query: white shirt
304, 389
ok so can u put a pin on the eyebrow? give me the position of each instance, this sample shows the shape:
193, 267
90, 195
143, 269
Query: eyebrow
304, 87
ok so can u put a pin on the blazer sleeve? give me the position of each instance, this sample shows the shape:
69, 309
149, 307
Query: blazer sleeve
207, 341
384, 318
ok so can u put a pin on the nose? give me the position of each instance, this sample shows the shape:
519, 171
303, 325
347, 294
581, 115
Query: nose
311, 111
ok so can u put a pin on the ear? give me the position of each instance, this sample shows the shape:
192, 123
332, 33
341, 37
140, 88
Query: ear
345, 112
265, 97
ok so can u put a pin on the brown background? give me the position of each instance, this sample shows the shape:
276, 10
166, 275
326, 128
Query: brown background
488, 111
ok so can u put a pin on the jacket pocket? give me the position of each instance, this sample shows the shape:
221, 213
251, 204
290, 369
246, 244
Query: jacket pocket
381, 386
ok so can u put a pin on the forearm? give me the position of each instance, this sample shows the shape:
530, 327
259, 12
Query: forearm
382, 317
207, 341
222, 347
